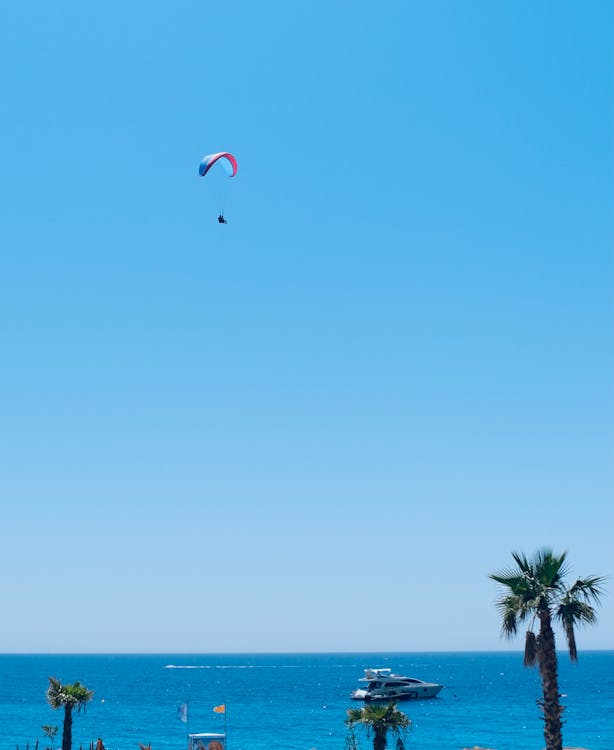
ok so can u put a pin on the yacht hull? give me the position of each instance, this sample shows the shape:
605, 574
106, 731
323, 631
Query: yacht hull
420, 693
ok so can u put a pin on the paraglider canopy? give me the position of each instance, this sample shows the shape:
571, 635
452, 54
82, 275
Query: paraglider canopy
209, 160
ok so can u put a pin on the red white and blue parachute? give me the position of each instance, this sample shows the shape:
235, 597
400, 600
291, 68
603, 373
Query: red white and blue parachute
208, 161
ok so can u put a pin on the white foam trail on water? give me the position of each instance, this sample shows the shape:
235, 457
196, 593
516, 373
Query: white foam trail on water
231, 666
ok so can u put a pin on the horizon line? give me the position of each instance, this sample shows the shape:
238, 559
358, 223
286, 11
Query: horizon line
284, 653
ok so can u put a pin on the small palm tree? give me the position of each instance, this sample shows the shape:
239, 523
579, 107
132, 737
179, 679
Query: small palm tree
378, 720
67, 697
535, 590
50, 731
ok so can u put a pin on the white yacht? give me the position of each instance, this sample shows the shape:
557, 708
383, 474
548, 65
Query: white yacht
383, 685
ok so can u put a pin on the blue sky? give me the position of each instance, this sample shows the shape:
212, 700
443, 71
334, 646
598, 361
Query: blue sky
321, 426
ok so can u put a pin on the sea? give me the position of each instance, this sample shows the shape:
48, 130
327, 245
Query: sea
300, 701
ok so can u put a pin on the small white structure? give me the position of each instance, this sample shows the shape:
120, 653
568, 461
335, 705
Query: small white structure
207, 741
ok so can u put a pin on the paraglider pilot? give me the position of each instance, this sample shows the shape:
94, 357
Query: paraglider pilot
221, 219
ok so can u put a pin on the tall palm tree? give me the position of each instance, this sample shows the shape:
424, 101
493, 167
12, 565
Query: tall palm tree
535, 590
69, 697
379, 720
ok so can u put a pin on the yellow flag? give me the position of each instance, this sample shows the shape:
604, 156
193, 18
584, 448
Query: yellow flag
220, 709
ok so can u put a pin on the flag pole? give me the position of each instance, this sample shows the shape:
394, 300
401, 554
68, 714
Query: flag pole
187, 724
221, 709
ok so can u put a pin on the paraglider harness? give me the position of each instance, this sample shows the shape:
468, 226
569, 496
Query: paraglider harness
221, 219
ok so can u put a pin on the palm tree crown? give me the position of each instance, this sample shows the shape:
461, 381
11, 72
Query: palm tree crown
536, 589
67, 697
379, 719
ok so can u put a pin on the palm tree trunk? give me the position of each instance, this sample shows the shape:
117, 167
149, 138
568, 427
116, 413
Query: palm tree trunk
379, 739
67, 731
548, 669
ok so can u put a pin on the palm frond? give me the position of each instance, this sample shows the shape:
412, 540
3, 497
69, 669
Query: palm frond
572, 612
354, 716
590, 589
574, 608
509, 624
550, 569
511, 579
522, 561
576, 612
530, 649
55, 695
522, 583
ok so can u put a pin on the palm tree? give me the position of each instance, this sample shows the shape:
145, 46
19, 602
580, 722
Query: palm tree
378, 720
50, 731
68, 697
535, 590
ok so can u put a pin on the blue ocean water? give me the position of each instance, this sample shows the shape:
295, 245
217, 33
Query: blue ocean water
299, 701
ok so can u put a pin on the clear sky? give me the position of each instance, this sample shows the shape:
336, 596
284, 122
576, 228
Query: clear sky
321, 426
